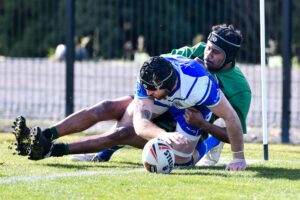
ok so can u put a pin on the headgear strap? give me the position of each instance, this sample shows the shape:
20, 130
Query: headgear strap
229, 48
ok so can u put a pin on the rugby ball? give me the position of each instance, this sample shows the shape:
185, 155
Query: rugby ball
158, 157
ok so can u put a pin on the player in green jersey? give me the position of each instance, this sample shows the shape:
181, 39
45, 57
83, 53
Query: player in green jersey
231, 81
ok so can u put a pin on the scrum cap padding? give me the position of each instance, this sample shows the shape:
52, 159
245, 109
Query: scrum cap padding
158, 73
228, 41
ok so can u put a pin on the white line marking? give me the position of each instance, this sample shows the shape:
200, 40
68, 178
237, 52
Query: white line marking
16, 179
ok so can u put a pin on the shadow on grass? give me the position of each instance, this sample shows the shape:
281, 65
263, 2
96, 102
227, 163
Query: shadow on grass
137, 164
112, 165
276, 173
261, 172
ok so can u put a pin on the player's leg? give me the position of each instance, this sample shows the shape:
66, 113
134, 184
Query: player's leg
213, 155
79, 121
121, 134
41, 147
206, 146
106, 110
85, 118
164, 121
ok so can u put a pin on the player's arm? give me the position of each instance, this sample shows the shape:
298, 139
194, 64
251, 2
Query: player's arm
233, 126
189, 52
195, 118
141, 119
147, 130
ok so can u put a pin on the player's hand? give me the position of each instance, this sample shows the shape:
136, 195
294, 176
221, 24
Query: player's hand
236, 165
199, 60
194, 118
172, 138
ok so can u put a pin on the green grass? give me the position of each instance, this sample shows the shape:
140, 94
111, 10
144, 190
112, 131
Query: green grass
278, 178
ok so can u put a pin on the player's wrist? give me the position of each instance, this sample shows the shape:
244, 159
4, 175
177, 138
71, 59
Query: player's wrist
205, 126
238, 154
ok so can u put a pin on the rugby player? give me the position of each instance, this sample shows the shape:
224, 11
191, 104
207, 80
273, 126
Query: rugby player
214, 53
218, 56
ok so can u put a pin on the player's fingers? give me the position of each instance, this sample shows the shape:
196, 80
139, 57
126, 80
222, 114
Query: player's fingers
183, 139
180, 140
233, 168
230, 167
244, 166
166, 139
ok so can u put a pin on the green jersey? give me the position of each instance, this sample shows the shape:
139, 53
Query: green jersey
232, 82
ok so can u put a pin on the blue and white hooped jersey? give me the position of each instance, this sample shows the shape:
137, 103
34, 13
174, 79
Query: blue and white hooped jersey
195, 86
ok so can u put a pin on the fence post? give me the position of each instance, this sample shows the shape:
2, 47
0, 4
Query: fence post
286, 70
70, 55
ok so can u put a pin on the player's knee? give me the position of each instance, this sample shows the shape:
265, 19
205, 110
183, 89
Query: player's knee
122, 134
102, 111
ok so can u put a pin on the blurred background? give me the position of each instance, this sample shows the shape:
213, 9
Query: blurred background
112, 38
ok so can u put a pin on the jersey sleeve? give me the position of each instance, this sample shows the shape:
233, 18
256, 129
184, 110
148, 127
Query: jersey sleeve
190, 52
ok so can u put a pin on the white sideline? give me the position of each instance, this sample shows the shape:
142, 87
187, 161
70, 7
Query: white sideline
16, 179
62, 175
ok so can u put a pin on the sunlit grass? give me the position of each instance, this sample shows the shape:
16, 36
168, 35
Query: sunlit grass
55, 178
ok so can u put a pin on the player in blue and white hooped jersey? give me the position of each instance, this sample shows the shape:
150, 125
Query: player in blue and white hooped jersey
175, 83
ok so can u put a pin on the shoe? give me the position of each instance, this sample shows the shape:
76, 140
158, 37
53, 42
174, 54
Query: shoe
89, 157
212, 157
40, 146
103, 156
21, 132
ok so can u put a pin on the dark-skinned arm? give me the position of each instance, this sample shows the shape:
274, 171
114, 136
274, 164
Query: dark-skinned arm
195, 118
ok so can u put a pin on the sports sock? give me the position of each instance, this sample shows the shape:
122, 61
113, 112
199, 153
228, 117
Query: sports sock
60, 149
206, 146
106, 154
50, 133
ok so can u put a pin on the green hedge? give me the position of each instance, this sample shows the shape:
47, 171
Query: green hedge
31, 28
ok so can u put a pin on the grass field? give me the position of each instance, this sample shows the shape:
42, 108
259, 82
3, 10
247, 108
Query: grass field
124, 177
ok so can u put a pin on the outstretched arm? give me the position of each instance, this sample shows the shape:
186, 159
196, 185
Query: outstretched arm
234, 131
147, 130
141, 119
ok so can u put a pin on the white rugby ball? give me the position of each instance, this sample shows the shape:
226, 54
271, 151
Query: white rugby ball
158, 157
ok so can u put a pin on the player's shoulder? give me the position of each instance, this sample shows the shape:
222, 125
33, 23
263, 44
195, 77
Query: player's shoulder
187, 66
176, 58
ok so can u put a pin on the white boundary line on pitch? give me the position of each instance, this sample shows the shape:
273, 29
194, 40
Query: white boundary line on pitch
17, 179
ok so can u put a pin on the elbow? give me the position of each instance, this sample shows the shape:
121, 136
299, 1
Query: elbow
137, 130
137, 127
